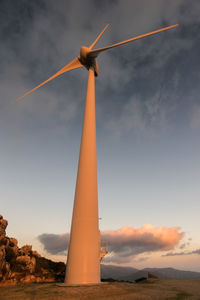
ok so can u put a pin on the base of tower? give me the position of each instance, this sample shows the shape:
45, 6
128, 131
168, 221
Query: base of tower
81, 284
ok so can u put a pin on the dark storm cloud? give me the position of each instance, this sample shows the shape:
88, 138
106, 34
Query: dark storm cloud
123, 244
39, 37
197, 251
54, 243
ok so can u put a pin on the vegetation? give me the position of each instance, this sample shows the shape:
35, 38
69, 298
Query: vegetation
156, 289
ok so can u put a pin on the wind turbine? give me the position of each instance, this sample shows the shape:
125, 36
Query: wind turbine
83, 263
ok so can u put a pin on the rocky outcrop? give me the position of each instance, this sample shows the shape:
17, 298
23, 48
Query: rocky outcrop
23, 265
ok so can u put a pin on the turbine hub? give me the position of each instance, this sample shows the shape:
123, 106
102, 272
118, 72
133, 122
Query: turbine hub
83, 54
87, 61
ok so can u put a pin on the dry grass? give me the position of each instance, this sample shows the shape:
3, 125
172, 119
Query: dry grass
154, 289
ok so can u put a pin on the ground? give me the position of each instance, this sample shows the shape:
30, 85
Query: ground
153, 289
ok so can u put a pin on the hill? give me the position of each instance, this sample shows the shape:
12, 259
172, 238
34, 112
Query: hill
131, 274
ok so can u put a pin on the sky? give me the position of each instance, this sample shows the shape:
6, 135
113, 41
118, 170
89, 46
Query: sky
148, 126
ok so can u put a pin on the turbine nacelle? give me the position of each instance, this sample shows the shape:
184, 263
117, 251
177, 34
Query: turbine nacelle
87, 61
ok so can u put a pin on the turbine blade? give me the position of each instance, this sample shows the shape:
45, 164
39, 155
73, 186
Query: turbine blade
94, 53
74, 64
94, 43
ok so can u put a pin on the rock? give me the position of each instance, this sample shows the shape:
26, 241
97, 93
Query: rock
23, 265
25, 250
11, 252
2, 261
28, 279
13, 242
36, 254
3, 225
150, 275
7, 271
140, 279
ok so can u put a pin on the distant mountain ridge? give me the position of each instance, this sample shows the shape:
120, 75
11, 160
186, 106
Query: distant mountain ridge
131, 274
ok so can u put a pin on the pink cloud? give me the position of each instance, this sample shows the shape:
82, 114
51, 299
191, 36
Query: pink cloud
197, 251
124, 243
127, 242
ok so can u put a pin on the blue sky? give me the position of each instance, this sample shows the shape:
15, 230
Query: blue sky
147, 111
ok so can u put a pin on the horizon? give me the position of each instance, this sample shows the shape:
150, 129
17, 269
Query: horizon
148, 127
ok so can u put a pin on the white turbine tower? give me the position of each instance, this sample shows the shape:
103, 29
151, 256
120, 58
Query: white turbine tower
83, 261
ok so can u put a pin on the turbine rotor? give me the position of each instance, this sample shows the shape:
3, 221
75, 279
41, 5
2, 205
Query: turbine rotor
88, 56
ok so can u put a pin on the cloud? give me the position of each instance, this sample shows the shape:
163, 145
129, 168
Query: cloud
35, 44
55, 243
125, 243
141, 259
195, 117
142, 117
197, 251
39, 37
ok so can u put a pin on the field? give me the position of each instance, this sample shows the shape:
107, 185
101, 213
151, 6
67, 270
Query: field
153, 289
